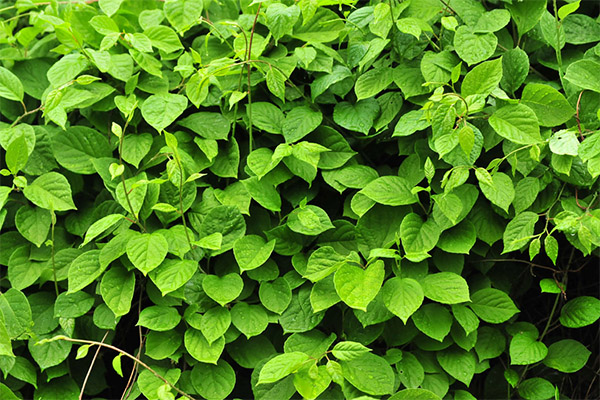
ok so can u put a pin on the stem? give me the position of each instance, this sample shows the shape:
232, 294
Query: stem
135, 359
557, 49
250, 144
53, 219
125, 191
185, 228
90, 368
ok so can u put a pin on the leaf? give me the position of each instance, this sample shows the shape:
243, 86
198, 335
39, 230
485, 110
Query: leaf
207, 124
493, 305
358, 117
519, 231
372, 82
281, 19
402, 296
357, 287
117, 288
16, 312
536, 389
182, 14
567, 356
415, 394
500, 191
17, 154
136, 147
223, 289
161, 110
159, 318
474, 47
418, 237
585, 74
347, 351
446, 288
580, 311
311, 383
214, 323
281, 366
49, 354
84, 270
525, 350
490, 343
100, 226
213, 381
309, 220
50, 191
322, 27
77, 147
482, 79
564, 142
33, 223
251, 320
433, 320
300, 122
163, 38
226, 220
110, 7
11, 87
515, 68
458, 363
527, 14
517, 123
275, 296
276, 82
147, 251
390, 191
252, 251
369, 373
200, 349
170, 275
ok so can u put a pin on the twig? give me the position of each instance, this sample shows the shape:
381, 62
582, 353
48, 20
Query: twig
248, 57
90, 368
577, 115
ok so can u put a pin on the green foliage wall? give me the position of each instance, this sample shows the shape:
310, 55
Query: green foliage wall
318, 198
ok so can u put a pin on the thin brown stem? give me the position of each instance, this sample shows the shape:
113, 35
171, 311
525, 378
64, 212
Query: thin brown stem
248, 57
577, 115
90, 368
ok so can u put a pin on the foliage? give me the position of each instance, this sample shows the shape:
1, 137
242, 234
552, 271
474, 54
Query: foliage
258, 199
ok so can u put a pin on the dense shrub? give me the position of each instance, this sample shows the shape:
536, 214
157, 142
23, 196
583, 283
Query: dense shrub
320, 198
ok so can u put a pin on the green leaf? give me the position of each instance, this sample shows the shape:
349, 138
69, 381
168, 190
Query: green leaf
433, 320
474, 47
536, 389
84, 270
446, 287
309, 220
11, 87
161, 110
347, 351
252, 251
358, 117
50, 191
160, 345
527, 14
519, 231
482, 79
564, 142
458, 363
567, 356
585, 74
372, 82
77, 147
72, 305
493, 305
147, 251
515, 68
550, 107
458, 239
415, 394
310, 383
418, 237
170, 275
281, 366
16, 312
23, 370
17, 154
182, 14
526, 191
390, 191
136, 147
159, 318
110, 7
281, 19
369, 373
490, 343
163, 38
251, 320
207, 124
276, 81
517, 123
322, 27
276, 296
300, 122
199, 348
410, 371
100, 226
49, 354
357, 287
117, 288
213, 381
223, 289
214, 323
33, 223
580, 311
492, 21
402, 296
500, 191
525, 350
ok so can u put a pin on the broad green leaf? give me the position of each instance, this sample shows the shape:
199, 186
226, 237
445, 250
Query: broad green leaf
536, 389
276, 81
163, 38
170, 275
490, 343
418, 237
281, 366
527, 14
482, 79
372, 82
526, 191
517, 123
358, 117
136, 147
347, 351
16, 312
458, 239
33, 223
567, 356
433, 320
519, 231
161, 110
183, 14
77, 147
100, 226
465, 318
49, 354
72, 305
213, 381
160, 345
110, 7
117, 288
493, 305
251, 320
154, 388
356, 286
500, 191
525, 350
415, 394
207, 124
147, 251
11, 87
322, 27
275, 296
390, 191
474, 47
223, 289
410, 370
492, 21
50, 191
226, 220
310, 383
300, 122
309, 220
17, 154
252, 251
515, 68
402, 296
580, 311
564, 142
281, 19
322, 262
550, 107
23, 370
369, 373
66, 69
214, 323
446, 287
159, 318
458, 363
22, 272
84, 270
585, 74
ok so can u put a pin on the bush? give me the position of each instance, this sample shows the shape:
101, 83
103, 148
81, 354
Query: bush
321, 198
